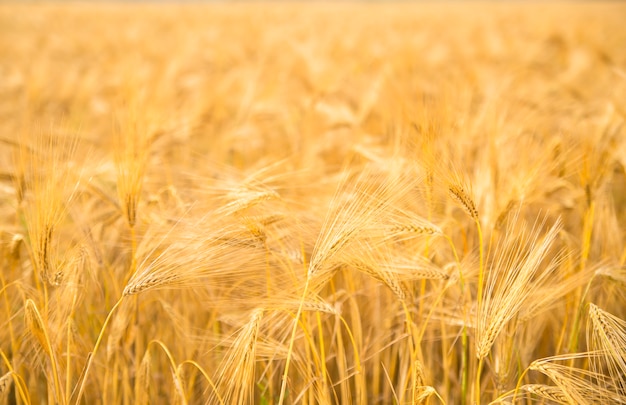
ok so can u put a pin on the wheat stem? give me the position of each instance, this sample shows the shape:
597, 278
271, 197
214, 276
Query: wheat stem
481, 267
294, 328
477, 382
586, 247
206, 376
68, 364
322, 351
174, 368
481, 276
22, 389
81, 383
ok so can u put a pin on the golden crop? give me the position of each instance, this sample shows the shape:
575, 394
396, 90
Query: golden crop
312, 203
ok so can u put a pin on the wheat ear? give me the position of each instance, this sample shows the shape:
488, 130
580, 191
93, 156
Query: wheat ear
547, 392
142, 383
5, 383
83, 379
37, 328
513, 275
609, 336
238, 370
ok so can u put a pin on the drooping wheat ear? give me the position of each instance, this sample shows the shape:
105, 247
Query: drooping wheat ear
20, 384
503, 215
609, 337
460, 194
47, 174
129, 204
268, 219
460, 190
377, 272
37, 328
118, 326
79, 388
360, 203
307, 305
255, 228
237, 370
421, 394
504, 356
402, 221
149, 281
580, 386
415, 228
413, 268
42, 251
564, 384
242, 199
131, 155
614, 273
143, 379
315, 307
544, 297
517, 269
547, 392
195, 253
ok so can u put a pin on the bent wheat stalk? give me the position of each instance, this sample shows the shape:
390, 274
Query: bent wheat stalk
80, 386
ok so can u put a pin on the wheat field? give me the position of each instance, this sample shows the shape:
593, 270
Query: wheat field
312, 203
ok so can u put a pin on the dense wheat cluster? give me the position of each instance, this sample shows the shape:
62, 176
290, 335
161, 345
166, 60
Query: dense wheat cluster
312, 203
